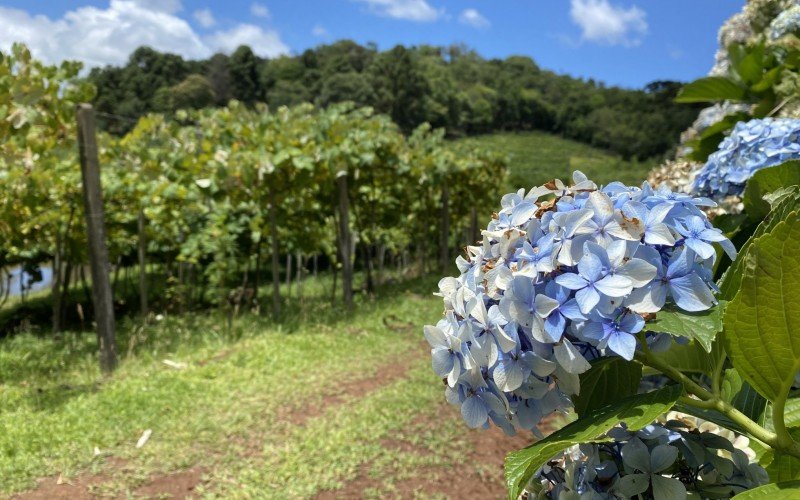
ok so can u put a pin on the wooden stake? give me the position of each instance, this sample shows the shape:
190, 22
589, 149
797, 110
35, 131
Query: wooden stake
345, 239
98, 253
273, 237
142, 267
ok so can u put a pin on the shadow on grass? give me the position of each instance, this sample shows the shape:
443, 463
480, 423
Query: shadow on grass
37, 364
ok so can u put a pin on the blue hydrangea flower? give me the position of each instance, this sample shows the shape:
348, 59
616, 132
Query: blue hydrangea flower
617, 331
654, 462
787, 22
564, 275
751, 146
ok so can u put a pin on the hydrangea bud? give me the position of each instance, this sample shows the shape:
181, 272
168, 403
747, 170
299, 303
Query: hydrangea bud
564, 275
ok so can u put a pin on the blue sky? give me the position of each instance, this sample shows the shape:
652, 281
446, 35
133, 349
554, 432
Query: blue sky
621, 42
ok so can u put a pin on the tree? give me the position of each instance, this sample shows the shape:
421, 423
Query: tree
349, 86
400, 86
244, 75
218, 74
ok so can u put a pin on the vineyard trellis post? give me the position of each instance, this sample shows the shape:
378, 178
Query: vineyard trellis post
142, 248
273, 231
98, 252
345, 239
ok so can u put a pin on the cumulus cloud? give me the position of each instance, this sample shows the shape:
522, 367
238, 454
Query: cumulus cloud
319, 30
259, 10
409, 10
205, 18
607, 24
263, 43
100, 36
471, 17
168, 6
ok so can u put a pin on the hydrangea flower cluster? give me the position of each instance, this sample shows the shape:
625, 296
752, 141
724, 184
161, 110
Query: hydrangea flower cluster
760, 13
736, 29
787, 22
564, 275
670, 458
751, 146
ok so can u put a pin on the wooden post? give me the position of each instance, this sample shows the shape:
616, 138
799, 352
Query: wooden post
288, 274
300, 262
345, 239
142, 267
98, 253
273, 236
56, 293
445, 235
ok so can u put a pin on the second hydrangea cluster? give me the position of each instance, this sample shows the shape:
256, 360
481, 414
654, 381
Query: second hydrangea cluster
562, 276
669, 460
750, 147
787, 22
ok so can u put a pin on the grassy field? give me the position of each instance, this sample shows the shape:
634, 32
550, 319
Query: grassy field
536, 157
320, 404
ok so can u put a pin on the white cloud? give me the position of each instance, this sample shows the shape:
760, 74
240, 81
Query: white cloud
168, 6
603, 23
259, 10
319, 30
471, 17
100, 36
409, 10
205, 18
263, 43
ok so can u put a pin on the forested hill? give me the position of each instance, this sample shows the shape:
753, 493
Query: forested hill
451, 87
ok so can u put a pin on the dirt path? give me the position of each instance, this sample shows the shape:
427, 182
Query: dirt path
480, 476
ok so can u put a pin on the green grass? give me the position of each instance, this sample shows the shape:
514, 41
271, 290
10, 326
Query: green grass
261, 407
537, 157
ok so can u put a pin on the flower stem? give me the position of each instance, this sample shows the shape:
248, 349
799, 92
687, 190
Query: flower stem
717, 377
710, 401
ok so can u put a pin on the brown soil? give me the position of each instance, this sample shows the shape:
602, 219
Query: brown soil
385, 375
488, 450
90, 486
179, 485
481, 475
79, 488
54, 488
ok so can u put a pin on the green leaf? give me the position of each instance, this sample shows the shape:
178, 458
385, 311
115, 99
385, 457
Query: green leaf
791, 415
712, 88
689, 357
608, 380
786, 490
743, 397
725, 124
701, 326
636, 411
783, 468
768, 80
732, 279
767, 181
762, 323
